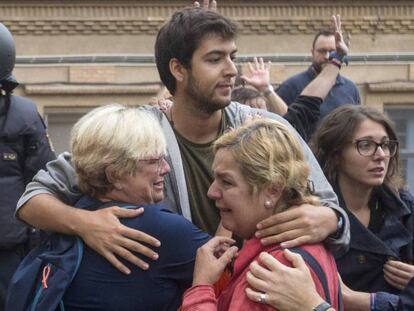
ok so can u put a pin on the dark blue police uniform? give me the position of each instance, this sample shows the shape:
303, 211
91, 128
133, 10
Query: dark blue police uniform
24, 149
361, 267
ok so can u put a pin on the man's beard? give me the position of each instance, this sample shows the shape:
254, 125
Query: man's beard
204, 102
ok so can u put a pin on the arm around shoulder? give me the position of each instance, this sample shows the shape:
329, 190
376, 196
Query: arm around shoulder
41, 204
58, 179
48, 213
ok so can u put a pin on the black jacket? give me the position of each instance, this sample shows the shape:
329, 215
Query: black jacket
304, 114
24, 149
361, 267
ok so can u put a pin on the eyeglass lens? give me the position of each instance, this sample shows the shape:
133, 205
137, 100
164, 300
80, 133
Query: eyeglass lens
370, 147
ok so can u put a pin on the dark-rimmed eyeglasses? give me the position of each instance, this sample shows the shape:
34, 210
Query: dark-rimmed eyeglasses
368, 147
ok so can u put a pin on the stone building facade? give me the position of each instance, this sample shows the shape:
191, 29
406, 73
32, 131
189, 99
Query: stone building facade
74, 55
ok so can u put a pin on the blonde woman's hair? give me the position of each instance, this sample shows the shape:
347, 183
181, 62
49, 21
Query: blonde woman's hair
267, 153
116, 136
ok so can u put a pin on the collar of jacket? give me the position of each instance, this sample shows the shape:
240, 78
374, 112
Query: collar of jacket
393, 231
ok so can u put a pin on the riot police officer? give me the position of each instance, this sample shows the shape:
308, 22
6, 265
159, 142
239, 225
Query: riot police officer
24, 149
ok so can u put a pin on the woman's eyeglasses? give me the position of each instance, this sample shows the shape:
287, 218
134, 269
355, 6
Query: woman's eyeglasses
157, 162
368, 147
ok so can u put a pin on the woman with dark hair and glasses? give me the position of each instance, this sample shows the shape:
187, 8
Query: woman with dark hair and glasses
357, 148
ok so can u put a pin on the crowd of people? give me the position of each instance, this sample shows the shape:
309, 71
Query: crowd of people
289, 200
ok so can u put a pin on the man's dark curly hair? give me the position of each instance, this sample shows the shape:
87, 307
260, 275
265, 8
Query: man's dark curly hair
181, 36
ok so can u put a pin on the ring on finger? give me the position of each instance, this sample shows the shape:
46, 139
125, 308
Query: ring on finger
262, 298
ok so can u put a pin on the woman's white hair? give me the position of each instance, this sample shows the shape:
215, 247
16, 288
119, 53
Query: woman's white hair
116, 136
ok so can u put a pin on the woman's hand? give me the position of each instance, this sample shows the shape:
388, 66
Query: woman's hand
258, 75
398, 273
353, 300
210, 264
285, 288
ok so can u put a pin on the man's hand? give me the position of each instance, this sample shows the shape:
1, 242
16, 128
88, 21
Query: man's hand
211, 260
207, 4
285, 288
341, 47
303, 224
103, 232
398, 273
258, 75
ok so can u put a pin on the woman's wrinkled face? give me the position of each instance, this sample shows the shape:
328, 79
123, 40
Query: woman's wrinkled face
240, 209
146, 186
364, 170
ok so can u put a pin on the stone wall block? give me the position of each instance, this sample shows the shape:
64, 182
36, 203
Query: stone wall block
411, 72
88, 17
95, 74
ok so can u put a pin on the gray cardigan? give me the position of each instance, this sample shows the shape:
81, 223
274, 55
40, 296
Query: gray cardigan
60, 180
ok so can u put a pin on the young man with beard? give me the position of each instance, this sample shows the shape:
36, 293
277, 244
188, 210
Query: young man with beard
195, 53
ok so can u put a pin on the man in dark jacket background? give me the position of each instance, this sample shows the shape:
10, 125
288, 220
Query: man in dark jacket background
344, 90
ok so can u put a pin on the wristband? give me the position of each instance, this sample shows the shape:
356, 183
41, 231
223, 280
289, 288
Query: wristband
373, 302
340, 58
322, 307
336, 63
340, 226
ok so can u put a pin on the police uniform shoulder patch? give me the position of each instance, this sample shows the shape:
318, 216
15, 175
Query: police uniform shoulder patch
7, 156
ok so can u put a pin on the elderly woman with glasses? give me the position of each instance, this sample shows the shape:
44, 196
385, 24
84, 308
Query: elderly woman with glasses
119, 157
357, 148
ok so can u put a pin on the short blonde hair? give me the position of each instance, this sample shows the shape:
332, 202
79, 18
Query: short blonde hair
267, 153
116, 136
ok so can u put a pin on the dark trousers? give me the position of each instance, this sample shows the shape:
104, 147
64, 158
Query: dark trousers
9, 261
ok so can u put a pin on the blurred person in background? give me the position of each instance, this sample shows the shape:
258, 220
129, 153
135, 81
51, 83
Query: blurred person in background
344, 90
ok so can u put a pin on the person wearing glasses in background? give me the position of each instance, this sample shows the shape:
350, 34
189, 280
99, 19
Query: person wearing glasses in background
357, 149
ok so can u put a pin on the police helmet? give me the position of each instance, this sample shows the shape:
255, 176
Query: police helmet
7, 53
